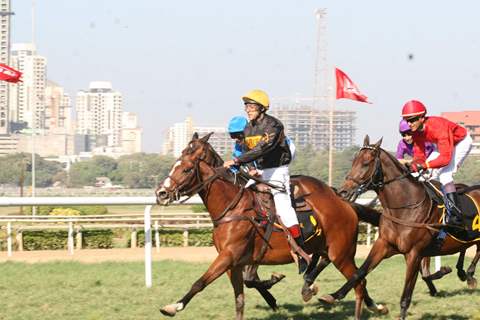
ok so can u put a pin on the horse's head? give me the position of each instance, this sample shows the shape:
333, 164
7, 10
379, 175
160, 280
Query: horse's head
185, 175
366, 171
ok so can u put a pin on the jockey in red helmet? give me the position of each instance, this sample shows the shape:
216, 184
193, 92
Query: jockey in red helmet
453, 144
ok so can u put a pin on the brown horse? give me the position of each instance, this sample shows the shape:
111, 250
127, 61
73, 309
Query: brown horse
236, 234
407, 221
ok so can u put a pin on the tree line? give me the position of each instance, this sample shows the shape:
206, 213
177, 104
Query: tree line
142, 170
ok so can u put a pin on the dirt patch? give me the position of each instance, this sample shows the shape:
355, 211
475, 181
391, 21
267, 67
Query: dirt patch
190, 254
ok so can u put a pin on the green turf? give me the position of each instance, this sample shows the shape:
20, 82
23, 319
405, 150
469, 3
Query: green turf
71, 290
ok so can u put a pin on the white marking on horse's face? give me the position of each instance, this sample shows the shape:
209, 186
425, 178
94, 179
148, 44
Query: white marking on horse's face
167, 181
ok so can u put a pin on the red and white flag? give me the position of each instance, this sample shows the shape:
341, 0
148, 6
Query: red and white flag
9, 74
347, 89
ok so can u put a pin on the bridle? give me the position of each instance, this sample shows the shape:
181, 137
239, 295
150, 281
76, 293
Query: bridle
194, 174
376, 180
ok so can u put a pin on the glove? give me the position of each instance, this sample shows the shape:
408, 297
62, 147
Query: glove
418, 166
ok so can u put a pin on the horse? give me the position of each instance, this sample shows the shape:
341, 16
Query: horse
429, 277
238, 237
409, 221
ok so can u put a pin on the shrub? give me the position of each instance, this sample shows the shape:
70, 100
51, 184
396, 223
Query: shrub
97, 239
64, 212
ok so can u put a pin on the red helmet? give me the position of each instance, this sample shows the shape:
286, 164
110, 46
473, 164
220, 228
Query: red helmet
413, 108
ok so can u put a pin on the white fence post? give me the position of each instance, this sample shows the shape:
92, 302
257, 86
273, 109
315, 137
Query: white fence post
369, 234
79, 238
157, 237
9, 239
185, 237
70, 238
148, 246
133, 238
19, 240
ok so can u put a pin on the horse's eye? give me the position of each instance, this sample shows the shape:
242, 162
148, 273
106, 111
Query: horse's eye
187, 170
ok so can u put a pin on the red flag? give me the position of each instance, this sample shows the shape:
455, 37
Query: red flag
347, 89
9, 74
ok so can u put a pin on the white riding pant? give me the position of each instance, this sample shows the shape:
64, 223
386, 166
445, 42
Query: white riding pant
281, 177
460, 152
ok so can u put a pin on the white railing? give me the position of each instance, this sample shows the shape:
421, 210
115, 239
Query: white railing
147, 201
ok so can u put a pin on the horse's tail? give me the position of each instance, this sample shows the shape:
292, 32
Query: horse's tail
367, 214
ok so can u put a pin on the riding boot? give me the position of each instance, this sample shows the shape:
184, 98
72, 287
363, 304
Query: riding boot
454, 214
296, 234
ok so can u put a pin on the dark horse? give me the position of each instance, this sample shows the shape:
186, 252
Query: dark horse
237, 236
407, 223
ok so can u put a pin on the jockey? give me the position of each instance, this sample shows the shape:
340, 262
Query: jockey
453, 143
266, 145
235, 129
405, 145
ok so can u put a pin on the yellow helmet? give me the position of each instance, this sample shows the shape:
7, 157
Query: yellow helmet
257, 96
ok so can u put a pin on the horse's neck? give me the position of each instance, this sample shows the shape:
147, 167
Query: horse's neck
399, 191
218, 194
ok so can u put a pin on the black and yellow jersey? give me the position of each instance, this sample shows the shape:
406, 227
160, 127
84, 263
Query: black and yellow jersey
265, 144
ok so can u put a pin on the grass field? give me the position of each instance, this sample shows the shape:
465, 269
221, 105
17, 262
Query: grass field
70, 290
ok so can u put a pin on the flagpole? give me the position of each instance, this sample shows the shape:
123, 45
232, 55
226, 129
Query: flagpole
331, 103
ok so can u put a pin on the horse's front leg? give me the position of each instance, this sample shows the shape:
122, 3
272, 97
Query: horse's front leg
413, 267
426, 276
380, 249
221, 264
236, 279
309, 289
460, 262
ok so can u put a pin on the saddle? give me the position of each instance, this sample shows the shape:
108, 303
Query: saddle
309, 225
469, 208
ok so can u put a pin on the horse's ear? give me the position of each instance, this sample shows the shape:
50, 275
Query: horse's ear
205, 138
379, 143
366, 141
195, 136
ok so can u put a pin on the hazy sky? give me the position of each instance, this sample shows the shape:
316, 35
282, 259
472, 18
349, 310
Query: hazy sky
174, 58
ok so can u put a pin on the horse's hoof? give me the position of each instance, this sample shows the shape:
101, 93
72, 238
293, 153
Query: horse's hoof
308, 293
433, 293
171, 309
462, 275
327, 299
472, 283
445, 270
382, 309
277, 276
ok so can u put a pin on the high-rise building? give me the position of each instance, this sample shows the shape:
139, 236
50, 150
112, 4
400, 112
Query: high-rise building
179, 135
5, 15
131, 133
58, 109
27, 98
220, 139
308, 126
471, 121
99, 113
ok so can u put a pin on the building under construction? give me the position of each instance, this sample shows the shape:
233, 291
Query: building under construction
309, 126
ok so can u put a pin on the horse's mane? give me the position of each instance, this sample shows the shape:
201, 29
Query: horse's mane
403, 169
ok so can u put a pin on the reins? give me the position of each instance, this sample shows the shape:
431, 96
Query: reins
376, 182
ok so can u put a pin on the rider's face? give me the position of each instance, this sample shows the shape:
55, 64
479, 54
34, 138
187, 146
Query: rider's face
415, 123
252, 110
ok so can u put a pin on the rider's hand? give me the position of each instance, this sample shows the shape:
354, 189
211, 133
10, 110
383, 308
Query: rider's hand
253, 172
228, 163
418, 166
405, 161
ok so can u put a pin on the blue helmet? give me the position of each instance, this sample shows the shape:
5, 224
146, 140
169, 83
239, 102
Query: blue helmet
237, 124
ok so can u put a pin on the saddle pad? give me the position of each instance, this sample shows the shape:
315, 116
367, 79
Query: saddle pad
308, 224
471, 220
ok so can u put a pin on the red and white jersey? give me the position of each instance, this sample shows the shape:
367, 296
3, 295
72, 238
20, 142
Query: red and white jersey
442, 132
